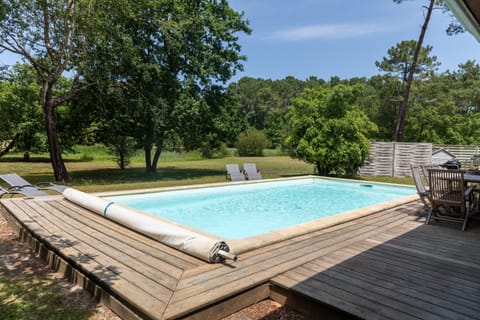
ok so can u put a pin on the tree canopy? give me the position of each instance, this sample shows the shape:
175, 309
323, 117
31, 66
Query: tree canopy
155, 51
329, 130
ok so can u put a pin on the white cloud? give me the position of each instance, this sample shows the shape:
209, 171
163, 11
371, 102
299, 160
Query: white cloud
328, 31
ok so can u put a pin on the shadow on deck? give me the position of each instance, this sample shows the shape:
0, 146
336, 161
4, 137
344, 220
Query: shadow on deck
412, 271
388, 265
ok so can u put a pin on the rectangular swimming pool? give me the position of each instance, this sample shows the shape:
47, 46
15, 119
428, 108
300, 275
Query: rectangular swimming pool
238, 211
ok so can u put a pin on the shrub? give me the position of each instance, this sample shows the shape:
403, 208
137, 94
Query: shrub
252, 142
122, 148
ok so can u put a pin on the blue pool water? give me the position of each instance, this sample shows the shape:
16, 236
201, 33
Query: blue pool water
243, 210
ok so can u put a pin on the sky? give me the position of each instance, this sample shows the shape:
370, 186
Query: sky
344, 38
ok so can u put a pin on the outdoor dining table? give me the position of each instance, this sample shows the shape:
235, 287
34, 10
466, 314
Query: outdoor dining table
473, 177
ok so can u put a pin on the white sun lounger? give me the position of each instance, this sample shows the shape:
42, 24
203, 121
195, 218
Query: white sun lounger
251, 171
234, 173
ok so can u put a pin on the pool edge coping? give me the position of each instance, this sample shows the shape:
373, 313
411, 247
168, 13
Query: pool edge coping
255, 242
239, 246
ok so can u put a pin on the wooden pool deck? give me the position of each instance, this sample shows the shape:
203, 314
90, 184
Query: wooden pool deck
388, 265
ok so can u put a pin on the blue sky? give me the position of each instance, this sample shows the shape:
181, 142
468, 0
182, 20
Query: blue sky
344, 38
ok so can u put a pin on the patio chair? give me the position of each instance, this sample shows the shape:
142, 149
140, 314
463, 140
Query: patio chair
21, 185
451, 198
234, 173
426, 167
5, 192
251, 171
423, 193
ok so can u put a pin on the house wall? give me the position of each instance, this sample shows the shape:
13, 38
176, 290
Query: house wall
441, 158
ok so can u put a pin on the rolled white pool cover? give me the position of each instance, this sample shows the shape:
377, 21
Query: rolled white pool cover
193, 243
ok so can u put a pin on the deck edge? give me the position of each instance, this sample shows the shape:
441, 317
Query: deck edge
66, 270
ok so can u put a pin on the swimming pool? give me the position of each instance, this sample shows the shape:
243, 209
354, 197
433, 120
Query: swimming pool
238, 211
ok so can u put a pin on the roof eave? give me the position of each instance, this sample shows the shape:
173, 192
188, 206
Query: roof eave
463, 14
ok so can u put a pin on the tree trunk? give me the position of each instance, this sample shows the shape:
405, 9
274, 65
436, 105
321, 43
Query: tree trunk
9, 146
58, 165
148, 158
121, 155
402, 112
157, 154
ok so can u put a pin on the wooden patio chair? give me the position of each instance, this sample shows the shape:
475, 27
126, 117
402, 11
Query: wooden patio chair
423, 193
450, 197
426, 167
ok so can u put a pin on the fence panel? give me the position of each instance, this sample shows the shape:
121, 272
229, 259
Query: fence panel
380, 161
464, 153
410, 153
393, 159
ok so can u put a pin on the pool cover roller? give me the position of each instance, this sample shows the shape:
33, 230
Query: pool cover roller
188, 241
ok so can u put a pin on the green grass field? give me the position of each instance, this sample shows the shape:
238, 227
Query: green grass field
94, 170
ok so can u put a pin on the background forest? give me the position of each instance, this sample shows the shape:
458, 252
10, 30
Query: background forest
444, 109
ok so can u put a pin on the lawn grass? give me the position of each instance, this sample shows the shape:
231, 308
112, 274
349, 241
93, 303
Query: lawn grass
93, 169
32, 298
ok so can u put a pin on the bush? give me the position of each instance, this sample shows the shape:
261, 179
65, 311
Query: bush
251, 143
122, 148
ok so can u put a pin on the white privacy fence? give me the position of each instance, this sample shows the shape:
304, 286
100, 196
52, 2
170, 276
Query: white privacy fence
393, 159
463, 153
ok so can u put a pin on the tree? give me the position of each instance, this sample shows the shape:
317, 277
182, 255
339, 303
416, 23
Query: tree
379, 101
329, 130
175, 48
402, 111
407, 59
151, 47
432, 114
20, 112
445, 107
399, 61
201, 51
50, 36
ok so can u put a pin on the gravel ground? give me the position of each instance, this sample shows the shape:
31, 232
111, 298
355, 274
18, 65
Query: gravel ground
266, 310
17, 260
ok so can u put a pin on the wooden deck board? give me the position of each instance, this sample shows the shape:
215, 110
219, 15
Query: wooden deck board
365, 297
154, 248
212, 286
386, 265
138, 260
382, 273
411, 271
407, 271
73, 250
430, 300
111, 254
443, 269
110, 272
291, 250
